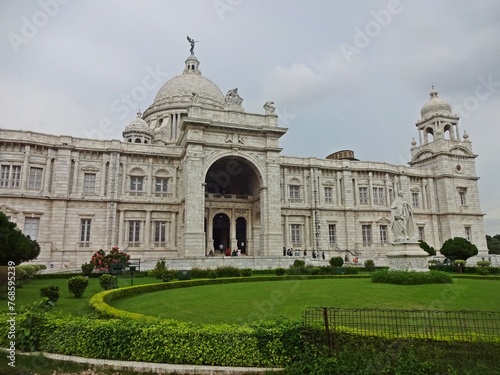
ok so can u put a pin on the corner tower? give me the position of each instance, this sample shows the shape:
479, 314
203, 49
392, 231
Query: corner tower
450, 158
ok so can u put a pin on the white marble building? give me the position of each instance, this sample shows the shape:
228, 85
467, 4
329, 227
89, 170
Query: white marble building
195, 171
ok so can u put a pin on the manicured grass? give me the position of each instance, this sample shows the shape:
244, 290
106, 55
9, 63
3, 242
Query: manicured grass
247, 302
67, 303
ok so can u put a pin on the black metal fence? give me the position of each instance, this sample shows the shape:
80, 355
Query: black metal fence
478, 326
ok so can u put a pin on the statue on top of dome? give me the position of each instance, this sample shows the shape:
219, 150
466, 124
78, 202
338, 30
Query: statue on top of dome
192, 42
232, 97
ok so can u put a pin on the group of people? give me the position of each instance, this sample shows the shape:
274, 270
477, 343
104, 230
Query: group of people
297, 252
290, 252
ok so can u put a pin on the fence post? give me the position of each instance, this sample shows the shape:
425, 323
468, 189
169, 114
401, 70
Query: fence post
327, 329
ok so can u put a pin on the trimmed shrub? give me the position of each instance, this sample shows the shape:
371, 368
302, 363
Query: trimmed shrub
168, 276
200, 273
107, 281
77, 285
159, 269
227, 271
336, 261
298, 263
246, 272
87, 268
51, 292
411, 277
369, 265
280, 271
351, 270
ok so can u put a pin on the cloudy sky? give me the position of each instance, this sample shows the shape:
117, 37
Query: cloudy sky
343, 75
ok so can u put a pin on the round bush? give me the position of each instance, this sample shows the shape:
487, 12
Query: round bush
77, 285
51, 292
246, 272
87, 269
107, 281
279, 271
336, 261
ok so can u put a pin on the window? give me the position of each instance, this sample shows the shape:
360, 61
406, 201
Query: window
461, 194
160, 234
89, 183
294, 192
134, 232
10, 176
85, 232
383, 234
136, 183
367, 234
378, 195
332, 234
415, 200
35, 179
31, 225
161, 185
421, 234
295, 234
468, 233
328, 195
363, 195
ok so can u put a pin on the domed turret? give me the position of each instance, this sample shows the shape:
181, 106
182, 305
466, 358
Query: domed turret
138, 131
435, 106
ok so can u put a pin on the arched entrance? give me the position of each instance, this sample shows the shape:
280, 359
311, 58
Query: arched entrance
220, 232
232, 189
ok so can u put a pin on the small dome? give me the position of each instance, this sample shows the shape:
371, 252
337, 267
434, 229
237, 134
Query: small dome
435, 106
138, 124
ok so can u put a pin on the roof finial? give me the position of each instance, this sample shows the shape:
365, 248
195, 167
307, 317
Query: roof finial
139, 113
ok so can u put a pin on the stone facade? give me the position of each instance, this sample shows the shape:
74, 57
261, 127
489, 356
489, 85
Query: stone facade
195, 172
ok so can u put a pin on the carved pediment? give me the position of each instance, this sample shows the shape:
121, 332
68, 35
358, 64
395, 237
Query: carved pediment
8, 210
328, 183
415, 189
90, 168
383, 220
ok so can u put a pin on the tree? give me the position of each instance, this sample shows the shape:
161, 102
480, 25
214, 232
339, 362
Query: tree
14, 245
458, 248
493, 244
428, 249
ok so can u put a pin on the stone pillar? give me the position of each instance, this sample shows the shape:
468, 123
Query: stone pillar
76, 173
47, 177
147, 231
287, 231
26, 167
370, 188
121, 224
233, 242
103, 175
210, 232
307, 230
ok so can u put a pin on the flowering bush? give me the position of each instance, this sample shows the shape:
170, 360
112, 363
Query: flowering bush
103, 261
98, 260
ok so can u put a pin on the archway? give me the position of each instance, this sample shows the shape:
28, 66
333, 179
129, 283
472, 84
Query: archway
220, 232
233, 186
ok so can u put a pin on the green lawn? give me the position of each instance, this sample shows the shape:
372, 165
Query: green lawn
246, 302
67, 303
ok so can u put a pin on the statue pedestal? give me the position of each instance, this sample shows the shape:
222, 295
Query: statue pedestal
407, 256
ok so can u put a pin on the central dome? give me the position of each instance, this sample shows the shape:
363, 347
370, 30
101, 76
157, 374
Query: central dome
179, 91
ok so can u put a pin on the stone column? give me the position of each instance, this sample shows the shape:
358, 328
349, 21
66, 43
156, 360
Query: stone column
76, 173
121, 224
26, 167
147, 231
370, 188
103, 175
233, 241
210, 231
124, 178
286, 233
307, 238
47, 177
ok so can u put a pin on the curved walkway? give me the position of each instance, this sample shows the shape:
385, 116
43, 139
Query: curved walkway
155, 368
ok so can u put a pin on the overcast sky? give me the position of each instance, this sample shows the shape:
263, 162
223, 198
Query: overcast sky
343, 75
